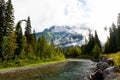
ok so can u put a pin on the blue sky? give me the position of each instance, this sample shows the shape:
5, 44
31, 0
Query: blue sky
95, 14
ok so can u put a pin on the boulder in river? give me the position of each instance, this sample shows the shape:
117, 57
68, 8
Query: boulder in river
97, 75
108, 71
112, 76
101, 65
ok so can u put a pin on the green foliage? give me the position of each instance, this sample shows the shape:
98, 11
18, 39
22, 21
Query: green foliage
42, 47
46, 51
2, 19
19, 40
113, 43
5, 47
74, 52
8, 46
17, 49
9, 18
28, 30
93, 47
96, 51
11, 45
115, 57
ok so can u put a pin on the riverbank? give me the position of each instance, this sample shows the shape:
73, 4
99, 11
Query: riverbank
105, 70
30, 71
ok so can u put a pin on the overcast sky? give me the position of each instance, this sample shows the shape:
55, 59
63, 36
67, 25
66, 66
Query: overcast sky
95, 14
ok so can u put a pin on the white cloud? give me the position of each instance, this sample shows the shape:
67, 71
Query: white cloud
45, 13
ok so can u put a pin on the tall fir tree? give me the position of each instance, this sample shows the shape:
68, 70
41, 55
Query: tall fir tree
113, 39
2, 23
9, 18
113, 43
118, 33
19, 40
107, 47
8, 46
42, 46
97, 41
33, 41
28, 30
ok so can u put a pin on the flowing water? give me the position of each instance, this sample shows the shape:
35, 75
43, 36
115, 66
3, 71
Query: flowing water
74, 69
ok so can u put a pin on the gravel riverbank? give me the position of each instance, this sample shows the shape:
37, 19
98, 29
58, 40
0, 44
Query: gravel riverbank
27, 73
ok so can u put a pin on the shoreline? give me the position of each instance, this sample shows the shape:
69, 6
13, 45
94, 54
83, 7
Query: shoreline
30, 66
28, 72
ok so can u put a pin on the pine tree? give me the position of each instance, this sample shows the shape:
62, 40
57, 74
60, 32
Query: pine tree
2, 23
97, 41
50, 50
113, 39
12, 45
33, 41
8, 46
118, 33
28, 30
107, 47
5, 48
42, 46
9, 18
96, 51
19, 36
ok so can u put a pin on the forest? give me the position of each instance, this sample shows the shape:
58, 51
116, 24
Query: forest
18, 48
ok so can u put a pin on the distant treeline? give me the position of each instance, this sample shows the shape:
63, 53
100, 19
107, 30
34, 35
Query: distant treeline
113, 42
92, 49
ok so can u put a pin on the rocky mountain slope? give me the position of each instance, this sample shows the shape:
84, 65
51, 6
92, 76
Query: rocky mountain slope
65, 36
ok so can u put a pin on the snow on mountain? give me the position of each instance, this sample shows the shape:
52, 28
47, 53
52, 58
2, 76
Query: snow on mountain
66, 36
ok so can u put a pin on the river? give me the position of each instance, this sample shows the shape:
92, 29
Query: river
74, 69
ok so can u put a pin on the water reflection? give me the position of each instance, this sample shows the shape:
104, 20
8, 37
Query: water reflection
73, 70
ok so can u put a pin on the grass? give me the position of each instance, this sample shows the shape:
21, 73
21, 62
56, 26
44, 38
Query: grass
116, 58
31, 65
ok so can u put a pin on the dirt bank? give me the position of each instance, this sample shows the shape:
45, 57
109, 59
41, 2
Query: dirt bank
27, 73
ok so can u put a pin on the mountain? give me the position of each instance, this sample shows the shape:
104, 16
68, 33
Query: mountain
65, 36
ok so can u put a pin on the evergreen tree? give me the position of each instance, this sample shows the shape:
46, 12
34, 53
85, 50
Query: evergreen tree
19, 36
9, 18
96, 51
28, 36
118, 33
33, 41
113, 43
113, 39
92, 46
5, 48
74, 52
97, 41
2, 23
28, 30
51, 51
87, 48
107, 47
42, 47
8, 46
12, 45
